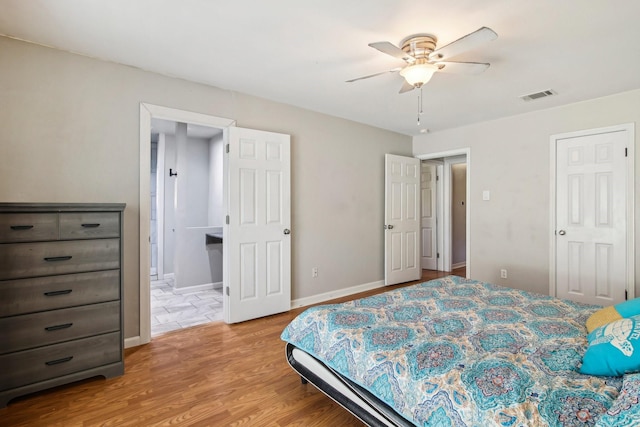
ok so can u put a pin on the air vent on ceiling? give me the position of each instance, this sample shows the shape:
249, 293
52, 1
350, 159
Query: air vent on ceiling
538, 95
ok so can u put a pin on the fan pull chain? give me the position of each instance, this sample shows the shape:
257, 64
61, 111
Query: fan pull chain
420, 98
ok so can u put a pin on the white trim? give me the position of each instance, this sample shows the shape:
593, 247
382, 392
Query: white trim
147, 111
454, 153
631, 213
458, 265
145, 224
630, 187
132, 342
320, 298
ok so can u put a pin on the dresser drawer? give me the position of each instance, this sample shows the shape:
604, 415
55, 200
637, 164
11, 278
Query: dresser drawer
22, 260
50, 327
31, 366
28, 227
89, 225
23, 296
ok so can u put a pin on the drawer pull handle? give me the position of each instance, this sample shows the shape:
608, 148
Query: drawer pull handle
58, 361
91, 225
58, 327
54, 293
58, 258
21, 227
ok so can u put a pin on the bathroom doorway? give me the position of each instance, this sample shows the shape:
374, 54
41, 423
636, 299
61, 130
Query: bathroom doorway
185, 225
257, 216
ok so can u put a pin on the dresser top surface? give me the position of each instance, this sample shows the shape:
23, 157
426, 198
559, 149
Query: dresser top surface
61, 207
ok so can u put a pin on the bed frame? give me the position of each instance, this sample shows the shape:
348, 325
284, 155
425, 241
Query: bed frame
362, 404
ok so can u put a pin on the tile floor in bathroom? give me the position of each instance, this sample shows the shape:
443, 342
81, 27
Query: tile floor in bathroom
171, 311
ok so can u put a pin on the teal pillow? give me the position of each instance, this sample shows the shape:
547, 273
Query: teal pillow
629, 308
614, 349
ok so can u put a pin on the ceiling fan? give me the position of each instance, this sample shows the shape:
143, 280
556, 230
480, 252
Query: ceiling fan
423, 59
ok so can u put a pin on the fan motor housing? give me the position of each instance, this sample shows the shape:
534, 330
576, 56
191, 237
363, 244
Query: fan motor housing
419, 45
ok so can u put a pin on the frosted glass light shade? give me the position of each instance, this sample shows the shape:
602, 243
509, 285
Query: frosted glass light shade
418, 74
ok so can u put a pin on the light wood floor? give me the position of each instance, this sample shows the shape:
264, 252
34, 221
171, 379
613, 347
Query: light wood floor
208, 375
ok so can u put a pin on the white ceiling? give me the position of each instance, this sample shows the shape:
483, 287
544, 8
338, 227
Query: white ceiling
300, 52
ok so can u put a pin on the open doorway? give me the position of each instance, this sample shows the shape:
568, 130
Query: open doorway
147, 113
186, 224
445, 211
423, 200
257, 216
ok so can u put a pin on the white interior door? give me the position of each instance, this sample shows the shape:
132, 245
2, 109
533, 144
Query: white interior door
428, 220
591, 218
402, 219
257, 238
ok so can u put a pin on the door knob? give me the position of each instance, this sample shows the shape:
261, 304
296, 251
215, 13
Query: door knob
562, 232
390, 227
287, 231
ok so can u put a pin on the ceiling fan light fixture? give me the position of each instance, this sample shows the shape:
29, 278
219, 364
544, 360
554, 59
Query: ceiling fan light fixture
418, 74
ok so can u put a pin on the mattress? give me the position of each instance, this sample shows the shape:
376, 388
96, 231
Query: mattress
455, 352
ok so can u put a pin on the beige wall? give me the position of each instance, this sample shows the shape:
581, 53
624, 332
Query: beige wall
511, 158
69, 129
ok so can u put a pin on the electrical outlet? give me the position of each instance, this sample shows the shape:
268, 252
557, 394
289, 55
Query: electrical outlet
503, 273
314, 272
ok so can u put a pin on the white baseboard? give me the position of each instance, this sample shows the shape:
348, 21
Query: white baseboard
197, 288
459, 265
132, 342
320, 298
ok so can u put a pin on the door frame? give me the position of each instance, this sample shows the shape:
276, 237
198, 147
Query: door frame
630, 196
147, 112
446, 250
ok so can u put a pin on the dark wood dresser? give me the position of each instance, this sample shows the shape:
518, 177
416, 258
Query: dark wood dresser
61, 309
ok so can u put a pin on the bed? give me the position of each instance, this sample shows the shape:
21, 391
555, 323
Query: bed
459, 352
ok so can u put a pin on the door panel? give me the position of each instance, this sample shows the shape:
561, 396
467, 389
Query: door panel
402, 219
258, 248
591, 218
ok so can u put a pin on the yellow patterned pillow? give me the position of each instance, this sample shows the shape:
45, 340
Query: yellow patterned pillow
602, 317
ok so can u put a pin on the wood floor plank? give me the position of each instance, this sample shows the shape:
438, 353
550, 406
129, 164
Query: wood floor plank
207, 375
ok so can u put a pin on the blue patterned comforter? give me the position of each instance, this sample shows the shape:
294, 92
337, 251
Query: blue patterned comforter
457, 352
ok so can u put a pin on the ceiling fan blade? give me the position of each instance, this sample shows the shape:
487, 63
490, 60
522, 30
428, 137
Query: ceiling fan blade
393, 50
406, 87
462, 67
468, 42
394, 70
